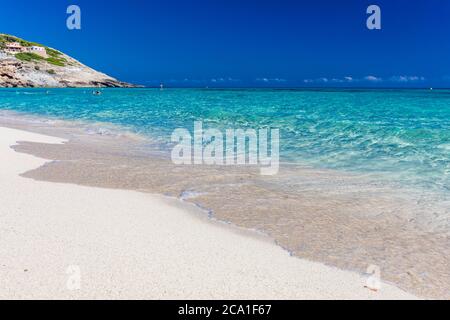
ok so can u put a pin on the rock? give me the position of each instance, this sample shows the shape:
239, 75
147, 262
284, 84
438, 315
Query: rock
48, 73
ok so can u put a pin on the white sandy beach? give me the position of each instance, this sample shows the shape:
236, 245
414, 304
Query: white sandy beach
128, 244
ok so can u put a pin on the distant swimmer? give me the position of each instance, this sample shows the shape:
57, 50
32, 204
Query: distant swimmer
97, 93
161, 87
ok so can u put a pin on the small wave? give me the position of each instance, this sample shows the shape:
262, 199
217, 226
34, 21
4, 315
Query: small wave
187, 194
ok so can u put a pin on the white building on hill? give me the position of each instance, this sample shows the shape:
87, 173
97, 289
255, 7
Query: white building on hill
38, 50
15, 47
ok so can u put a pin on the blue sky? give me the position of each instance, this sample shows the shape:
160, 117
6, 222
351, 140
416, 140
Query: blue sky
239, 43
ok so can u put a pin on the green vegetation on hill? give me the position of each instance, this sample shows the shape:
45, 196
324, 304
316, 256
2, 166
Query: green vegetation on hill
52, 52
28, 56
4, 38
60, 62
55, 57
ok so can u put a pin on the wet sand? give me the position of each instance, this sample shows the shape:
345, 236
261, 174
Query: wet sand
63, 241
342, 220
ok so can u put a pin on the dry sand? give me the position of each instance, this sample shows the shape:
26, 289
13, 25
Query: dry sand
127, 244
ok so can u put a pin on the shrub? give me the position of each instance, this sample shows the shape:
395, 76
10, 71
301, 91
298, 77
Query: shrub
60, 62
52, 52
28, 56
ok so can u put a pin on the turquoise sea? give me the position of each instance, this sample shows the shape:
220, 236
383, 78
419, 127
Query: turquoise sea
401, 135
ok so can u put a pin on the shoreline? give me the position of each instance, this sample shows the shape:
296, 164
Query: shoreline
111, 235
343, 221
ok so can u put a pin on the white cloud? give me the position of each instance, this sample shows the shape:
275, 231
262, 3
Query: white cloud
369, 78
372, 79
270, 80
407, 79
229, 79
326, 80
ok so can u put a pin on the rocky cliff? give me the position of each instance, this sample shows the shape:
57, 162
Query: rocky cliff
28, 64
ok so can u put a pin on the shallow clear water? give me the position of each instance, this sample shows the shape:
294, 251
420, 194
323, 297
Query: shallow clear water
403, 135
392, 210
